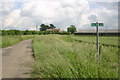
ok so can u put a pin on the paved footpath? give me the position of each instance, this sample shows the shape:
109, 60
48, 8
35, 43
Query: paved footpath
15, 60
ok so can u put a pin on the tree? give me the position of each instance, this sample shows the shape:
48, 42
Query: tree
52, 26
71, 29
44, 27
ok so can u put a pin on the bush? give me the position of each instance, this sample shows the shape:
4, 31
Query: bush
27, 32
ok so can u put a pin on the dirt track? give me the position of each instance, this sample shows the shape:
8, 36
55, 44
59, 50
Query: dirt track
15, 60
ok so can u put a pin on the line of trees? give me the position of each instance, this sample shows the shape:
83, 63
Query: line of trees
27, 32
70, 30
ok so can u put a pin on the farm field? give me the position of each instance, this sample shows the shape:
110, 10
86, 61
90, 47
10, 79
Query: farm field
110, 40
60, 56
9, 40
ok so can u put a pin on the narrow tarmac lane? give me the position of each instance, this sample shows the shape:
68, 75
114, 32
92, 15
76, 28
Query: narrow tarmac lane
15, 60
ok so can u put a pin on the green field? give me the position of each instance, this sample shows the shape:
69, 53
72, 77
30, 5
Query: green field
110, 40
13, 39
61, 56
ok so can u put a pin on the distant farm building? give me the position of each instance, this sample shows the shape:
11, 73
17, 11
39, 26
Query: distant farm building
101, 32
58, 30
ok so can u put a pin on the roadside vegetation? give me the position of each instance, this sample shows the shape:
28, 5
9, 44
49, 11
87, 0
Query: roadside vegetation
9, 40
10, 37
28, 32
61, 56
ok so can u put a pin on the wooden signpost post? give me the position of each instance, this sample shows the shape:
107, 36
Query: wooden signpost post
97, 34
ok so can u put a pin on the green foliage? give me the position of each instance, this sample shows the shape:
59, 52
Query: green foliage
71, 29
62, 57
52, 26
11, 37
9, 40
11, 32
64, 33
27, 32
43, 27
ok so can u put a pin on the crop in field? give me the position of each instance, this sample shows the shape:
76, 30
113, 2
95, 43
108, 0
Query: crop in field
62, 57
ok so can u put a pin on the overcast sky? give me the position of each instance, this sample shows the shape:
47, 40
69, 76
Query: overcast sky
26, 14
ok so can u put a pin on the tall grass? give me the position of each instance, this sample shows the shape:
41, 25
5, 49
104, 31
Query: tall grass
62, 57
9, 40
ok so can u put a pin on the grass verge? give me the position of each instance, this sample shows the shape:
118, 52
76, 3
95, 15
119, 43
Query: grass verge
13, 39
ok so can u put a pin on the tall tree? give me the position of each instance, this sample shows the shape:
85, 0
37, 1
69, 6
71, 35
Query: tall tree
71, 29
52, 26
43, 27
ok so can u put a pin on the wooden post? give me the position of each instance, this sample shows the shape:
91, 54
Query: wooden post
97, 38
100, 54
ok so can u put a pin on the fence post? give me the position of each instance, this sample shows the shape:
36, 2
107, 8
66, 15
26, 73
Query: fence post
100, 54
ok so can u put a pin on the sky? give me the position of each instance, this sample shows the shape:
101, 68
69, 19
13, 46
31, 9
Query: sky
26, 14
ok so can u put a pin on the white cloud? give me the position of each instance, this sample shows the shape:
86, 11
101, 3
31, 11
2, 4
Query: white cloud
62, 13
15, 20
7, 6
104, 0
14, 0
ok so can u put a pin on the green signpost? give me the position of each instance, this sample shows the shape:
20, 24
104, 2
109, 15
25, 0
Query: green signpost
94, 24
97, 36
97, 24
101, 24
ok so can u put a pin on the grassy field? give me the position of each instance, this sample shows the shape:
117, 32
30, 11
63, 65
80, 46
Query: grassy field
110, 40
60, 56
13, 39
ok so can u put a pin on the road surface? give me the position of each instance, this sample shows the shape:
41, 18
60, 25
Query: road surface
15, 60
